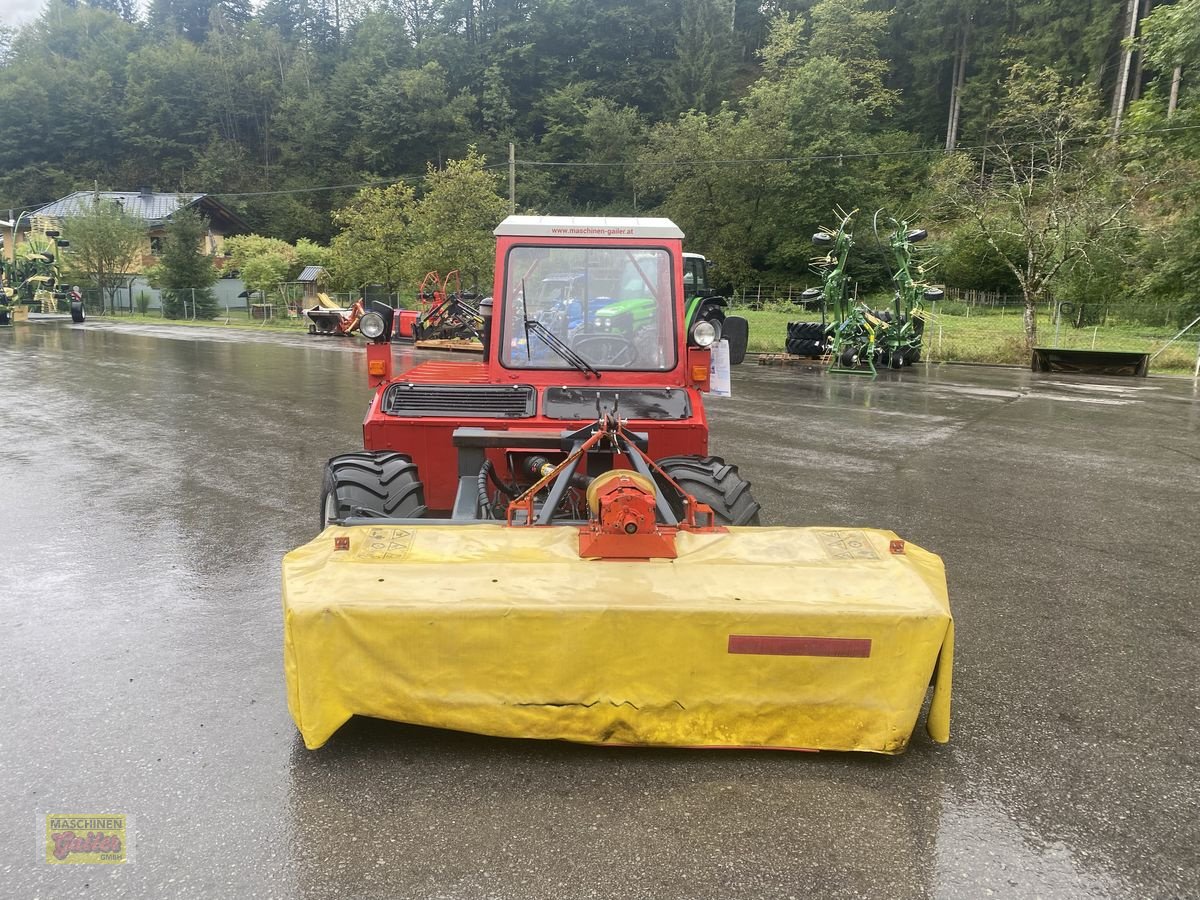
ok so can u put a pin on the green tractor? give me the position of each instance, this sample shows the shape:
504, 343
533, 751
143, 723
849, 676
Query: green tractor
705, 310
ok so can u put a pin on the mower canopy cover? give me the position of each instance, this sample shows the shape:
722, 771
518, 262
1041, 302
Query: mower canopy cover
800, 638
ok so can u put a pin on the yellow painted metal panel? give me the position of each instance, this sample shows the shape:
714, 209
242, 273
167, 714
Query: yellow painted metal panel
816, 638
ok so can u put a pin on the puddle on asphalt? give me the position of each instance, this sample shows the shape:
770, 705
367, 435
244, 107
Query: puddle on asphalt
983, 850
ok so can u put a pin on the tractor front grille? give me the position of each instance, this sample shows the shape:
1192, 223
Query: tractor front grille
460, 401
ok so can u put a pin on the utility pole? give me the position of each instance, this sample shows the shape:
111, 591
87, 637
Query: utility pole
512, 178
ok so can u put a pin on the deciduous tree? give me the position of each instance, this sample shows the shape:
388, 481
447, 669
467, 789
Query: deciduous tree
374, 240
1049, 184
105, 242
454, 220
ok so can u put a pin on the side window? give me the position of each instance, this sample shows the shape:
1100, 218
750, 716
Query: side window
156, 245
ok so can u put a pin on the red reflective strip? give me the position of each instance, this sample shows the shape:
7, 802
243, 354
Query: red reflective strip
776, 645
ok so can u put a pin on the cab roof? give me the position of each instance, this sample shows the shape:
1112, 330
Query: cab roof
588, 226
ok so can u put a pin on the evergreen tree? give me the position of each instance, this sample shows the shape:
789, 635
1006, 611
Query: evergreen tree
704, 61
185, 274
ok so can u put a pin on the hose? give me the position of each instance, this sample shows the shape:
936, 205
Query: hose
483, 502
510, 489
488, 471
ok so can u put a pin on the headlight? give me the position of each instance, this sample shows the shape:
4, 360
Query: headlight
598, 323
372, 325
705, 333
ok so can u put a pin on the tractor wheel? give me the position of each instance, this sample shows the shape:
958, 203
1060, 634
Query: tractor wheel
77, 314
897, 359
848, 358
371, 485
710, 480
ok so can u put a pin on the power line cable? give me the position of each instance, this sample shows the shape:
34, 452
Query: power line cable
396, 179
816, 157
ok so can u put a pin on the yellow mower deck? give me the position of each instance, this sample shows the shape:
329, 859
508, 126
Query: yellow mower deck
804, 638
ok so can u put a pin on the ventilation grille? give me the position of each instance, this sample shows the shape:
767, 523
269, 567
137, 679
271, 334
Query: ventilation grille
460, 401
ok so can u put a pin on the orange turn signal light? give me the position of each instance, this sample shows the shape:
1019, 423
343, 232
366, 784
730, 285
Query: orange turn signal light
699, 373
375, 367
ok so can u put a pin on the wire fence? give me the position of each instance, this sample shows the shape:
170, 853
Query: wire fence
983, 330
966, 326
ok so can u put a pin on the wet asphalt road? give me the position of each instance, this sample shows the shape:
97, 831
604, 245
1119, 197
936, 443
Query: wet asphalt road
153, 477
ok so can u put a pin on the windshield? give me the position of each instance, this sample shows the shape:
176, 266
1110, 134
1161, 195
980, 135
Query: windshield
610, 308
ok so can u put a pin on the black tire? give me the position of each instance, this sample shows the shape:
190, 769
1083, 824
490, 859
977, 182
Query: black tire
848, 358
77, 313
898, 357
372, 485
713, 481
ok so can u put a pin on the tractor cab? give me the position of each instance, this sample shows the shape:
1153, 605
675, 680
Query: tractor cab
620, 308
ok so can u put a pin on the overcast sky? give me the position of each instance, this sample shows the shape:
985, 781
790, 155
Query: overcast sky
18, 12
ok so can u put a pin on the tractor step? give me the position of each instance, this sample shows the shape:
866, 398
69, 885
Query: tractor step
797, 638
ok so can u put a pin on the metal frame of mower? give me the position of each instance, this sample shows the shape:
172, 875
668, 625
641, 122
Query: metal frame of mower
901, 340
858, 338
447, 315
504, 417
849, 340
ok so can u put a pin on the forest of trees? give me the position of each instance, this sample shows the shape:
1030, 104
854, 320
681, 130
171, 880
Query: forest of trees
744, 120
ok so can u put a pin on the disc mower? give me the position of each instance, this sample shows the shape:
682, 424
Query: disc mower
539, 543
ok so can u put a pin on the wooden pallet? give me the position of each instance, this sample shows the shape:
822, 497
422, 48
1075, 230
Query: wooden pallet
787, 359
458, 345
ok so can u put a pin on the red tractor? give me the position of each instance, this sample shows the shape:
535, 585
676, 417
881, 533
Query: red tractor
555, 359
539, 545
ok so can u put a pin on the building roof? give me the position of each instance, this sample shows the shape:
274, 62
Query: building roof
588, 226
310, 274
156, 208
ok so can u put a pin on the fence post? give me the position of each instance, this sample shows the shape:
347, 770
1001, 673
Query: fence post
1057, 322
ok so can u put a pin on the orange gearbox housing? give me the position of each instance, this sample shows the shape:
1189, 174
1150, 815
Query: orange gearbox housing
622, 522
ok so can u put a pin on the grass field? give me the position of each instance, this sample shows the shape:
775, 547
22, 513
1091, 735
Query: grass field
997, 337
